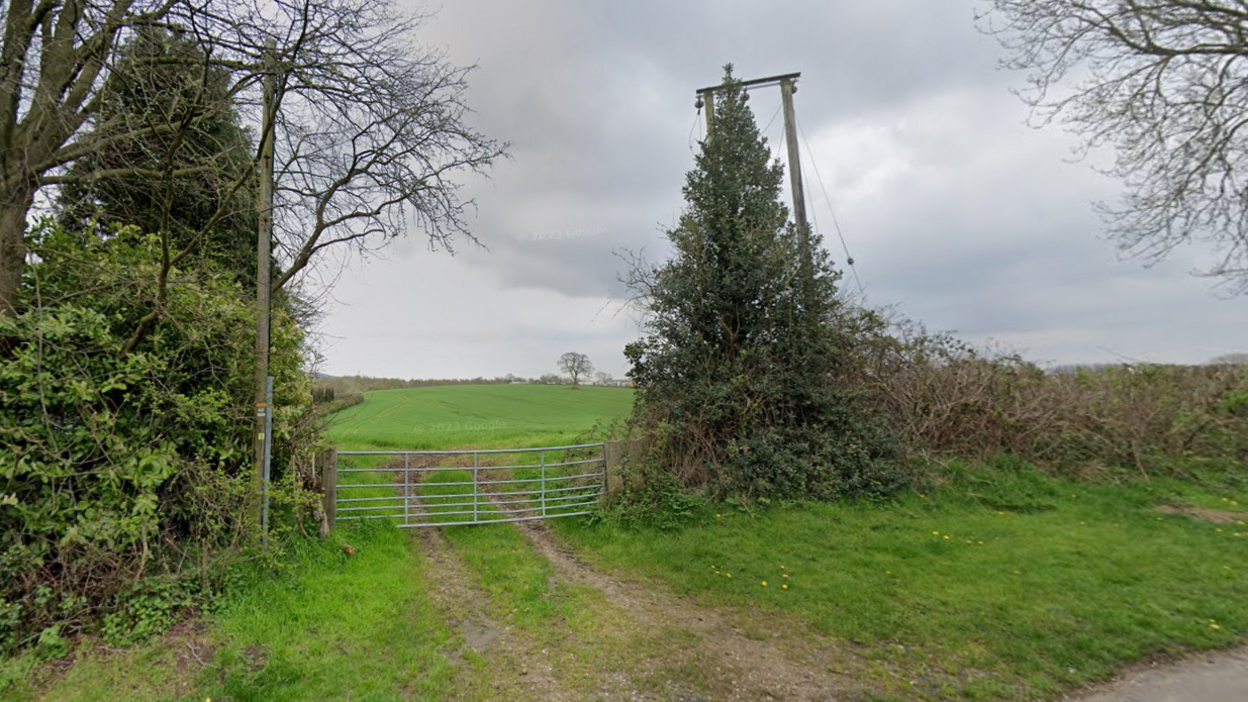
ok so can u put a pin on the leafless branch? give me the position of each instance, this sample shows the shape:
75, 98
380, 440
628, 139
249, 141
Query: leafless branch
1165, 84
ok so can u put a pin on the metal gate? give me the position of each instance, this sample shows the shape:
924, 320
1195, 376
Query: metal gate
448, 488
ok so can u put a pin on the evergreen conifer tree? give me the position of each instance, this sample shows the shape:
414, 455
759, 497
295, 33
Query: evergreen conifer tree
743, 346
176, 154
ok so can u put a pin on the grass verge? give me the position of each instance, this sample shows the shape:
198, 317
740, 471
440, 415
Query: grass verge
1006, 582
331, 626
356, 627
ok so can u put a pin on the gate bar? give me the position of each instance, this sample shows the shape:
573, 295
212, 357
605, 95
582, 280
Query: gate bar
549, 496
467, 452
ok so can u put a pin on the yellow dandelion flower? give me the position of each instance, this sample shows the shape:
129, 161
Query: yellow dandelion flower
784, 575
785, 586
728, 574
764, 583
946, 537
935, 533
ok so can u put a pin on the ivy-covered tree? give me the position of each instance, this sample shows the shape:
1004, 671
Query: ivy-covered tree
737, 369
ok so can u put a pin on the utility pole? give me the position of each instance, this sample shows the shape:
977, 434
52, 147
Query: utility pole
710, 113
788, 86
264, 284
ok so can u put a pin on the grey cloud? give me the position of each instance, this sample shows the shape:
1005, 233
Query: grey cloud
953, 209
597, 100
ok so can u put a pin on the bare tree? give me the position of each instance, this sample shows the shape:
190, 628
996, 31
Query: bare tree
576, 365
602, 377
370, 131
52, 63
1163, 82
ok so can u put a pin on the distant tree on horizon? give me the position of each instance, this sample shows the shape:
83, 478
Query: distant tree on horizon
576, 366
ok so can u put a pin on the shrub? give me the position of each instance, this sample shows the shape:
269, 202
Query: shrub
124, 442
944, 397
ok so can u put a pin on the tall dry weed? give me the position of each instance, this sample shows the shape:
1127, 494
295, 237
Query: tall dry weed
942, 396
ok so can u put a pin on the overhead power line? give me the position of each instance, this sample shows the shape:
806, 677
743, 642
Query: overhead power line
849, 259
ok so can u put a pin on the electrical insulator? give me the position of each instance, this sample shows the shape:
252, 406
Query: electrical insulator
698, 104
745, 97
850, 261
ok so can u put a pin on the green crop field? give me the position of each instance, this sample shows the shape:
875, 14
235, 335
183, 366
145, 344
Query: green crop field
476, 415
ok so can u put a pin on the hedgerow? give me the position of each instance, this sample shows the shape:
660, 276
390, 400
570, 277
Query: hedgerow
125, 464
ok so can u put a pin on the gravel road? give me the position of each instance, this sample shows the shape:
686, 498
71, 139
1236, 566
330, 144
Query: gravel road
1210, 677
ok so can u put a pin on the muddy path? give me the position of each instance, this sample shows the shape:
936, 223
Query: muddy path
641, 641
494, 660
736, 656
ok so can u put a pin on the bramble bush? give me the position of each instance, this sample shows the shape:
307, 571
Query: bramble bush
942, 396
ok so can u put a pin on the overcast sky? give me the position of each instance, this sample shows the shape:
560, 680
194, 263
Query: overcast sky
957, 214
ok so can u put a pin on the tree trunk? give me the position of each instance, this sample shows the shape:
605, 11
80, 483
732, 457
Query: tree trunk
13, 211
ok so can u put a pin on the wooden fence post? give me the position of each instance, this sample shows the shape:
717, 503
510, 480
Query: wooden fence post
613, 458
329, 483
637, 451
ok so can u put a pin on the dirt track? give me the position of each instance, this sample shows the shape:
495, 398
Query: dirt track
658, 645
649, 644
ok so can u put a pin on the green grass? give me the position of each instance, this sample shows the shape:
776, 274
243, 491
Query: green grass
355, 627
519, 581
1004, 582
332, 626
477, 415
141, 674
